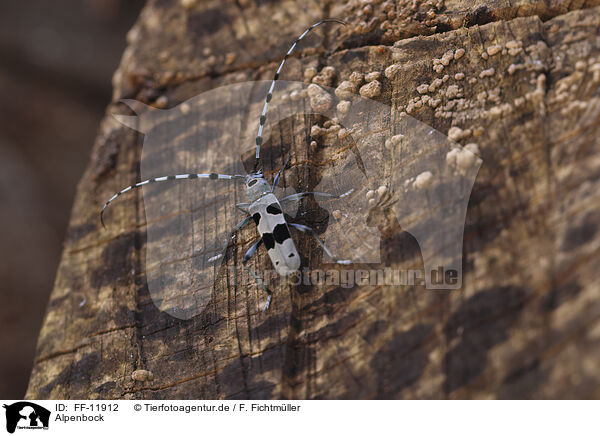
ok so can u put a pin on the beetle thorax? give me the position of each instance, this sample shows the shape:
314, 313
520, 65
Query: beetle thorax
256, 187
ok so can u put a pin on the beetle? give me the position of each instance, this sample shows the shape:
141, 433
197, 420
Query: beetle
263, 207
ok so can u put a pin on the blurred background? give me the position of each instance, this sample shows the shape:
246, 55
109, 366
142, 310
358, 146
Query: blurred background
56, 63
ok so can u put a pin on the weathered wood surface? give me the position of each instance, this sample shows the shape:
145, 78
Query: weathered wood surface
524, 325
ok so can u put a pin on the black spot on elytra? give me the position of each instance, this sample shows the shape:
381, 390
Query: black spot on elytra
291, 255
281, 233
273, 209
256, 218
268, 240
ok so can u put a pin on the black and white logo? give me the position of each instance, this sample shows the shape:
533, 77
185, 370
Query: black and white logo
26, 415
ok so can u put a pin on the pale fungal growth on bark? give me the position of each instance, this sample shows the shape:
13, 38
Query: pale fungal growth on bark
459, 76
435, 84
487, 73
595, 69
335, 128
230, 58
371, 89
211, 61
371, 197
316, 131
459, 53
514, 47
142, 375
391, 71
185, 108
382, 190
375, 195
309, 74
446, 58
463, 158
188, 4
320, 100
574, 106
453, 91
451, 156
537, 96
356, 78
161, 102
485, 56
345, 90
435, 102
343, 107
473, 148
494, 95
375, 75
500, 110
343, 133
325, 77
394, 141
493, 50
519, 101
423, 180
423, 88
456, 133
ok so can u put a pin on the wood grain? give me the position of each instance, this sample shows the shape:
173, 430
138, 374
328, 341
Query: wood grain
524, 325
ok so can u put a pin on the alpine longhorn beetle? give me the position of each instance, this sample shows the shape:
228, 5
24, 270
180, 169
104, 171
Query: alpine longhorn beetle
263, 208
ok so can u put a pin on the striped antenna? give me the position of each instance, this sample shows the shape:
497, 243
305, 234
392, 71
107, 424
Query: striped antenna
270, 93
212, 176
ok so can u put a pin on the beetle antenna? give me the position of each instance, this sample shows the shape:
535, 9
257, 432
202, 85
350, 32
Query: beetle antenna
270, 93
211, 176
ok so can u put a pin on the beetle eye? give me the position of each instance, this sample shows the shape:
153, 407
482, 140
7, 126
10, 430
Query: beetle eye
252, 182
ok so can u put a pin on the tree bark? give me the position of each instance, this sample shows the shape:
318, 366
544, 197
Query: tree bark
525, 324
